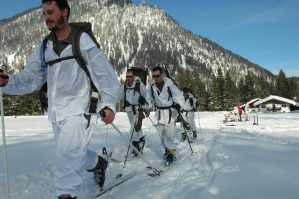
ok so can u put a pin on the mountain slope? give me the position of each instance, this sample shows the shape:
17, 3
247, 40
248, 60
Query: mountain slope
131, 35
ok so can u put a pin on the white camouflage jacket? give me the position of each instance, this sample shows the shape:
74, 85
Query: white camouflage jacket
188, 106
132, 95
68, 85
162, 99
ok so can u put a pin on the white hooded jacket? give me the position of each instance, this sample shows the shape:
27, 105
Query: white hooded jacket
68, 85
132, 95
188, 106
162, 99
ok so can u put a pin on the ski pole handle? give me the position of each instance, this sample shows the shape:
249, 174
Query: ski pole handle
3, 78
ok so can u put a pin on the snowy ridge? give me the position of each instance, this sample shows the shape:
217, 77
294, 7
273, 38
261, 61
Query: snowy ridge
131, 35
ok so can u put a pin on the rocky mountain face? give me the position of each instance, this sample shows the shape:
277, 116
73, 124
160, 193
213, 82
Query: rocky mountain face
131, 35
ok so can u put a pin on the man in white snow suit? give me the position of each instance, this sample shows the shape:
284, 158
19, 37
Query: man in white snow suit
135, 94
168, 99
69, 91
188, 112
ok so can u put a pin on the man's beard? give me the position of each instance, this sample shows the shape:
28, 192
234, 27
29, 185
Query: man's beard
60, 22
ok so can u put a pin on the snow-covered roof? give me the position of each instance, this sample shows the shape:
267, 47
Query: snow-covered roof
274, 97
254, 100
250, 102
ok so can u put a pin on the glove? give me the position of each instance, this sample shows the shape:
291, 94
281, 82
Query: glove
141, 100
4, 78
186, 125
177, 107
141, 114
147, 112
191, 101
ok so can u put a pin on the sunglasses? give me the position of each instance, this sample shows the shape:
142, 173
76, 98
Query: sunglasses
156, 76
129, 76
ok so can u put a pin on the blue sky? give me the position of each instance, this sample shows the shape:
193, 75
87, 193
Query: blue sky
265, 32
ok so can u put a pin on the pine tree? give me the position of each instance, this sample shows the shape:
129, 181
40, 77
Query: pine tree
263, 87
22, 105
230, 93
241, 89
183, 78
282, 85
293, 87
250, 92
246, 89
214, 95
217, 92
199, 91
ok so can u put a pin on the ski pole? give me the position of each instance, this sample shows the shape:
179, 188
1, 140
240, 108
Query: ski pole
151, 120
155, 125
132, 131
156, 171
4, 144
182, 119
199, 122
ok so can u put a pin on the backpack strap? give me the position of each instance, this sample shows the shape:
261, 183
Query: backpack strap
152, 91
168, 90
79, 28
126, 103
169, 93
43, 48
137, 87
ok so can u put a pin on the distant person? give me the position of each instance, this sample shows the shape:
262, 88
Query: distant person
168, 100
134, 93
240, 111
188, 113
69, 94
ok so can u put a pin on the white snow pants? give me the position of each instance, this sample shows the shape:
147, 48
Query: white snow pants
133, 119
190, 119
71, 159
166, 127
167, 133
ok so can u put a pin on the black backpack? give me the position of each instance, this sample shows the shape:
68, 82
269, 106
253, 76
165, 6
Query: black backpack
142, 73
78, 29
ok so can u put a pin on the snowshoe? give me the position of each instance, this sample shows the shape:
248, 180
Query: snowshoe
99, 171
141, 143
138, 145
184, 136
66, 197
194, 135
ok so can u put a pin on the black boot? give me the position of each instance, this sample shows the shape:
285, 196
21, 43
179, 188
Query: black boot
99, 171
136, 145
141, 144
66, 197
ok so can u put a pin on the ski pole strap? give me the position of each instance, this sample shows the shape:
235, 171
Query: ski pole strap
107, 135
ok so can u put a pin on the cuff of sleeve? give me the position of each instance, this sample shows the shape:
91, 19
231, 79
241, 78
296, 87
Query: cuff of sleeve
109, 106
